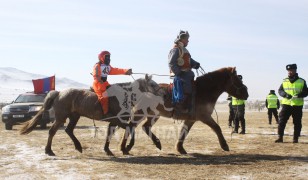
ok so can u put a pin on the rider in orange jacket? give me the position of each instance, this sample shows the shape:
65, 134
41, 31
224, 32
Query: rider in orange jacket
100, 72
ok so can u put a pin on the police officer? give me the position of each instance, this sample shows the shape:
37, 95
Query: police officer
293, 90
272, 104
238, 106
180, 64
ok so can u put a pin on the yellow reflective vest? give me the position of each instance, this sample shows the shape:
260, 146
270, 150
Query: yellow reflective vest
272, 101
237, 102
293, 89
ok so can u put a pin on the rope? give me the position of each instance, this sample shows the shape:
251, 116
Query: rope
216, 115
95, 128
133, 77
152, 74
201, 70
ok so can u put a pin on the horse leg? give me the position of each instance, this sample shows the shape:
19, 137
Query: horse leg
147, 129
216, 128
110, 132
70, 131
130, 129
52, 131
184, 132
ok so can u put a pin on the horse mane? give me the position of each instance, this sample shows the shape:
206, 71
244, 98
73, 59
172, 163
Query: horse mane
211, 79
216, 73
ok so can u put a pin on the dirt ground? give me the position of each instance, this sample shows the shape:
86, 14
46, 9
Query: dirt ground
251, 156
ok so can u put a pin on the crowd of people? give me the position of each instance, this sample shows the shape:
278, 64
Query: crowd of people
293, 90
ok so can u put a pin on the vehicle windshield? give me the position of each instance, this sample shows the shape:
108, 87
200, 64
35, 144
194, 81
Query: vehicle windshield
25, 98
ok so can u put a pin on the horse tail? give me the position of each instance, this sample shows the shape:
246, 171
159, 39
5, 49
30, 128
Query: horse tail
48, 102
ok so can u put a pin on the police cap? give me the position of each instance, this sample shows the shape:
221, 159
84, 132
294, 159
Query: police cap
291, 66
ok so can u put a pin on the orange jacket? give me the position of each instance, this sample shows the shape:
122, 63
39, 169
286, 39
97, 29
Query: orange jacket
98, 72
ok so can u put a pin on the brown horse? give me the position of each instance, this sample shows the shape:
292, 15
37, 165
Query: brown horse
74, 103
208, 88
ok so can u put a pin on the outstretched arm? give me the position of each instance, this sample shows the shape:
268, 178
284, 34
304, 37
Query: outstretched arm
120, 71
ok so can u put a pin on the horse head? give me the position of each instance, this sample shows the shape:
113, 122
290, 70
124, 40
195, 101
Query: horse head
234, 85
213, 84
147, 84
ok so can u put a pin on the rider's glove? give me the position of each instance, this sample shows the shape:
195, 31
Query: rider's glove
129, 72
197, 65
288, 96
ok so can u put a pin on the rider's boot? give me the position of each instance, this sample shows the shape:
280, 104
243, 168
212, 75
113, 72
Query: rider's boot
185, 105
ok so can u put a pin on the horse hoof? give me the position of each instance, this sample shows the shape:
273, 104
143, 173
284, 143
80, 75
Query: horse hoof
225, 148
50, 153
158, 145
110, 154
181, 150
125, 152
80, 150
128, 148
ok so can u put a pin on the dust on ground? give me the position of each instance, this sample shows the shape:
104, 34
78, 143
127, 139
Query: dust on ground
251, 156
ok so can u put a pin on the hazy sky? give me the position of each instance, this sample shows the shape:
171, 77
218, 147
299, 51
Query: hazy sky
64, 37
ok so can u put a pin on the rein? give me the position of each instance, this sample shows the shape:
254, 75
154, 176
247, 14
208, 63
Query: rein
237, 87
200, 69
152, 74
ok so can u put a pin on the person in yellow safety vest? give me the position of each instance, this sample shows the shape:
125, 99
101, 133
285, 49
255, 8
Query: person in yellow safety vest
293, 90
238, 106
272, 104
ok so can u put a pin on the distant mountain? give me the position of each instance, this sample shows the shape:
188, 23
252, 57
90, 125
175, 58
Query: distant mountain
14, 82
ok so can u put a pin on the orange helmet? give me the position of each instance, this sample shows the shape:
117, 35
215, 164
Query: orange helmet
101, 56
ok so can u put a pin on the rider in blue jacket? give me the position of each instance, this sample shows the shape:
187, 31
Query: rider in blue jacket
181, 64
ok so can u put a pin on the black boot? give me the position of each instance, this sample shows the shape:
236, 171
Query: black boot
242, 132
184, 106
243, 126
236, 126
279, 140
295, 139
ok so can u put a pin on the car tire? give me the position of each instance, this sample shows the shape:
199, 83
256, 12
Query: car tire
8, 126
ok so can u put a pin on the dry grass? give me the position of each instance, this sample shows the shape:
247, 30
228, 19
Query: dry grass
251, 156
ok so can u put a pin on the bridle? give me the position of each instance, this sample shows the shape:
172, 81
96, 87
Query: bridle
155, 90
237, 87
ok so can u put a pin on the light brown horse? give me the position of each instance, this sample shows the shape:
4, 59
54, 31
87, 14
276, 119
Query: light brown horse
208, 88
74, 103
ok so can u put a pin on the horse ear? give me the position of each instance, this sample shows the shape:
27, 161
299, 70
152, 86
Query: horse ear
148, 77
233, 70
